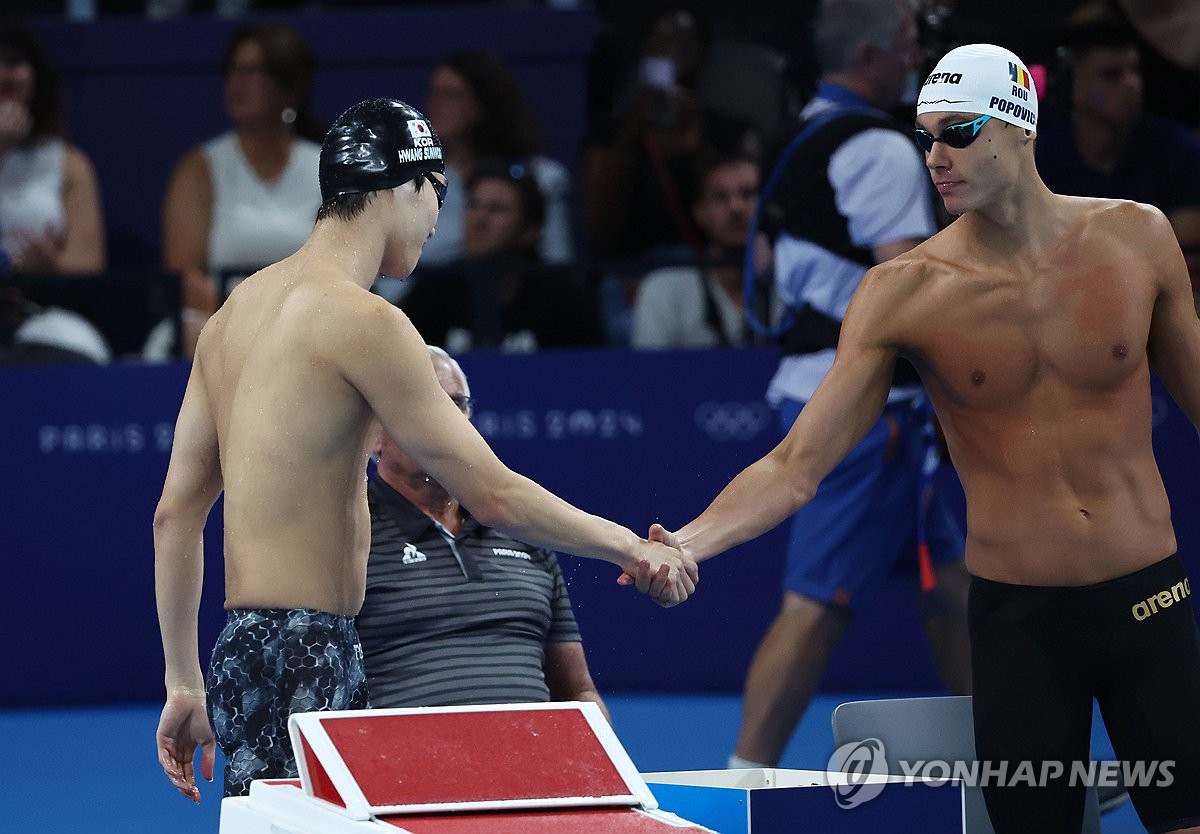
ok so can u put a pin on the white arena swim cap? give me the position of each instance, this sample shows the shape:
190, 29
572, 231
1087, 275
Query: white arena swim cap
981, 78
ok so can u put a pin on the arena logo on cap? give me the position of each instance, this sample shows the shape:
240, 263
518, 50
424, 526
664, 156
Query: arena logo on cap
945, 78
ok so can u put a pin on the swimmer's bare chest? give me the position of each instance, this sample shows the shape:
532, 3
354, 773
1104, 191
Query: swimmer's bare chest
1042, 386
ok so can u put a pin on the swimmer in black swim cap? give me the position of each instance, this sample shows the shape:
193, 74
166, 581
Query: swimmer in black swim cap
376, 145
370, 156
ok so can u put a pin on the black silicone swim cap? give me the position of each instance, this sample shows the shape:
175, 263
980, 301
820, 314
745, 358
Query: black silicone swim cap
377, 144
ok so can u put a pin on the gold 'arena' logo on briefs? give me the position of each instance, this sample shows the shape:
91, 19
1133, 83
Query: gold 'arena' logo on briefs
1163, 599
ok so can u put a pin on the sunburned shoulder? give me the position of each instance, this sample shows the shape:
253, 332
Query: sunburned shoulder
1140, 226
1122, 213
1104, 211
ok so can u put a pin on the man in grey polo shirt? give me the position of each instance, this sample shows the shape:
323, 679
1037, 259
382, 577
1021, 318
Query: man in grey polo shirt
456, 612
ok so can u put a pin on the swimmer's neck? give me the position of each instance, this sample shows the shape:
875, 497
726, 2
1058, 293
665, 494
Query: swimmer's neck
351, 247
1021, 220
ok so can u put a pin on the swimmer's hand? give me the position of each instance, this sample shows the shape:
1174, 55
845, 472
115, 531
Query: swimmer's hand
182, 727
664, 573
658, 533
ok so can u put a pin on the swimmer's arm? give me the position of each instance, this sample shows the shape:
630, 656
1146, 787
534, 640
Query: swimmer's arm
192, 485
389, 364
1174, 343
842, 410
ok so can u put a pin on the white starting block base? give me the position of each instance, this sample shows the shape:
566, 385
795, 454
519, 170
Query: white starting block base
530, 768
281, 807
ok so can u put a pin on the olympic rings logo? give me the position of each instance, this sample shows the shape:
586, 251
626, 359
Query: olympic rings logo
732, 420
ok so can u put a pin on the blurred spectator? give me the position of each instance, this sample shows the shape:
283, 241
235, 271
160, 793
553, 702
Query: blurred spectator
501, 295
456, 612
703, 305
1110, 147
640, 161
249, 196
1169, 37
479, 112
51, 219
1173, 26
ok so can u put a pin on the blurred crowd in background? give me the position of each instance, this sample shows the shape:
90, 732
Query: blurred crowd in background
638, 240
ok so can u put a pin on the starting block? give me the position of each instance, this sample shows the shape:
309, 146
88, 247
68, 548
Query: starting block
494, 769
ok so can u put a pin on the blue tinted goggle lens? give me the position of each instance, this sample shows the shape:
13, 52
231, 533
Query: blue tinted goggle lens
955, 136
439, 188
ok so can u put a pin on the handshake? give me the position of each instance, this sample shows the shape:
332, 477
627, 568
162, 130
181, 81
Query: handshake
665, 571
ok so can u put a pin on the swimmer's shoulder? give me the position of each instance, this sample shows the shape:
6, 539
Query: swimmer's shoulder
1110, 215
949, 253
905, 295
884, 302
1125, 217
353, 307
904, 274
340, 320
1123, 227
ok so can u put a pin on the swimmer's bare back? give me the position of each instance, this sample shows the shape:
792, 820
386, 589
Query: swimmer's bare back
293, 439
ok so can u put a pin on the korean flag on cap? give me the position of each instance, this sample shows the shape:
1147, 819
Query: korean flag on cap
418, 129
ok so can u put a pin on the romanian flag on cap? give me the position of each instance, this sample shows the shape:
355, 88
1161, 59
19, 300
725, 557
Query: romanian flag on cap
1018, 75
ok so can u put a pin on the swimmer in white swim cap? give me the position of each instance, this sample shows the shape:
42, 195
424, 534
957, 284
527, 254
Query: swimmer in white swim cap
1035, 321
977, 78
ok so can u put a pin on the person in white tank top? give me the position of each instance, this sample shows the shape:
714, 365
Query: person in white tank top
248, 197
51, 220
